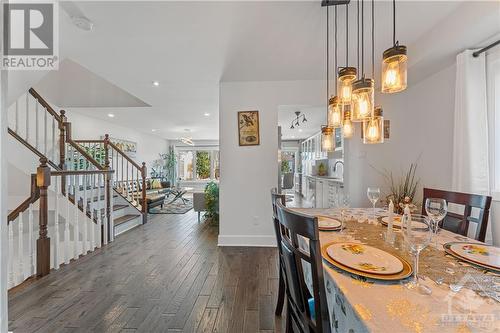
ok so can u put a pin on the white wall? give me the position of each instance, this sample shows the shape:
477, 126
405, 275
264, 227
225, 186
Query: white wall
248, 173
3, 201
148, 146
421, 130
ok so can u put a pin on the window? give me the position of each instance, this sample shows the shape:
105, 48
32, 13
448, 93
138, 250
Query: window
197, 164
185, 165
203, 164
493, 93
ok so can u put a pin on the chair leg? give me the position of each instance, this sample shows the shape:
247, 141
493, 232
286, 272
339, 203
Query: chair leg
281, 295
199, 217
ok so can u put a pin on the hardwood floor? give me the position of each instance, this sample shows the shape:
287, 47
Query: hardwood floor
166, 276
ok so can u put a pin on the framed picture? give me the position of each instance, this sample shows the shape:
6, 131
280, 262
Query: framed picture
248, 128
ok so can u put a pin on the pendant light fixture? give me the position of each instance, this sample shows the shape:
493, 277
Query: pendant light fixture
394, 63
327, 142
346, 75
363, 90
347, 126
373, 128
334, 105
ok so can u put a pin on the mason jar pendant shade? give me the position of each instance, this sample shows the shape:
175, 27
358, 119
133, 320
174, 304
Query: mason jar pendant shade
363, 95
347, 75
327, 142
347, 126
394, 69
334, 113
373, 128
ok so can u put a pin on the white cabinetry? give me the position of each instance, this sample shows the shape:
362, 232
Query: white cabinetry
323, 192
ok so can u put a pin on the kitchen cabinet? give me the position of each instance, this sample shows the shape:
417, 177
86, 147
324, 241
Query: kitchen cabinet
323, 192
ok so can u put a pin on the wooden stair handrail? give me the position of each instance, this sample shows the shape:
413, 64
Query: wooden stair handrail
74, 144
131, 161
34, 196
32, 149
44, 103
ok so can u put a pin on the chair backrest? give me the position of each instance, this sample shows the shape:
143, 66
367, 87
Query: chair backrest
296, 255
459, 223
287, 180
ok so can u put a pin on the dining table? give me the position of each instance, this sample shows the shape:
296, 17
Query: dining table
463, 298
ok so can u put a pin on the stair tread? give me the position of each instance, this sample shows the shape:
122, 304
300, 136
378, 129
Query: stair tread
118, 207
125, 218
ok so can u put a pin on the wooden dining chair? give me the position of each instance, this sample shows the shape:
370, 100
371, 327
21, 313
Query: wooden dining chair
275, 196
459, 223
307, 311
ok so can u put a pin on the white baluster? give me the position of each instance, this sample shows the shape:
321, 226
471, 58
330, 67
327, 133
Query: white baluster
36, 125
105, 217
85, 211
45, 131
11, 255
111, 214
92, 209
67, 249
20, 249
76, 230
27, 118
31, 241
16, 128
54, 143
99, 212
57, 220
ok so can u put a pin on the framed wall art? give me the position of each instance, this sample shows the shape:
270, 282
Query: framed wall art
248, 128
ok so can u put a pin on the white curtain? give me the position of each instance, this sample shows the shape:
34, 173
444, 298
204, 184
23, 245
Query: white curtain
470, 134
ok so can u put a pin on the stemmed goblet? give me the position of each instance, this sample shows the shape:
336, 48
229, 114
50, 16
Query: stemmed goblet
373, 194
436, 209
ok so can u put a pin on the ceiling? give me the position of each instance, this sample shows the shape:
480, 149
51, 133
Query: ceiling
189, 47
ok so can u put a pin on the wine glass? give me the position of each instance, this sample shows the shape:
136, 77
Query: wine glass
436, 209
373, 194
418, 235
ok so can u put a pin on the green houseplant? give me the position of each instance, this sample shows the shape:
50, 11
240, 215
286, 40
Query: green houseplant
402, 191
212, 202
285, 167
169, 164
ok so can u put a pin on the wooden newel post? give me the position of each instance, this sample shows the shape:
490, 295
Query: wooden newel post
62, 149
144, 201
43, 242
107, 186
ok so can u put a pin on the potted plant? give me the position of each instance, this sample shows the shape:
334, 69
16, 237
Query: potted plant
212, 202
403, 190
169, 164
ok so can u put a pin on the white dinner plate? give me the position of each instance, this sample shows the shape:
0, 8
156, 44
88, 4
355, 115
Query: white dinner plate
480, 253
328, 223
365, 258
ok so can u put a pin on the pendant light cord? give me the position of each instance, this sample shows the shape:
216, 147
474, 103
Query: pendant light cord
393, 22
357, 8
373, 39
336, 54
347, 35
327, 60
363, 38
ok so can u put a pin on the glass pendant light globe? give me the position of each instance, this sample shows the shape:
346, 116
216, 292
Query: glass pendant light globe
327, 142
373, 128
394, 69
347, 126
347, 75
334, 113
363, 94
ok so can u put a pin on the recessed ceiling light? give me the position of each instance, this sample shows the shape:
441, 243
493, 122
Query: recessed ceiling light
110, 115
82, 23
156, 83
206, 114
300, 129
154, 130
293, 136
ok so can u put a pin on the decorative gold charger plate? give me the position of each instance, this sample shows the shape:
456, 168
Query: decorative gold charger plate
406, 272
451, 249
327, 223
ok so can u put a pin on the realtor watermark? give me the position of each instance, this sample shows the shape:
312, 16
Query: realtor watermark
467, 307
30, 35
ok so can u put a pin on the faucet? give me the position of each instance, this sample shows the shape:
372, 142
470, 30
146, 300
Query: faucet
335, 165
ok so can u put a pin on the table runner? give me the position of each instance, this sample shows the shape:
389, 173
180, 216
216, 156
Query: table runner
464, 298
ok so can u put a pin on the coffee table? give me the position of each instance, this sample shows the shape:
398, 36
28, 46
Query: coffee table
178, 193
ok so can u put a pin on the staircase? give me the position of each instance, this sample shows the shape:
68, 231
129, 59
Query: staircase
83, 194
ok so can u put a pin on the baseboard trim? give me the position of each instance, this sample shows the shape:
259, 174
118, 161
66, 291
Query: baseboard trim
249, 241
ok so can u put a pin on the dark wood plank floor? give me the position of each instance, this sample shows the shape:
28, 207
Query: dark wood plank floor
168, 275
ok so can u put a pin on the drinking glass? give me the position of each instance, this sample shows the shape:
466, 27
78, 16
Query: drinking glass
344, 206
373, 194
436, 209
418, 235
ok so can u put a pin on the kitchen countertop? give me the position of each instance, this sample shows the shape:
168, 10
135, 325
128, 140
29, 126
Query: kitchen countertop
329, 178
